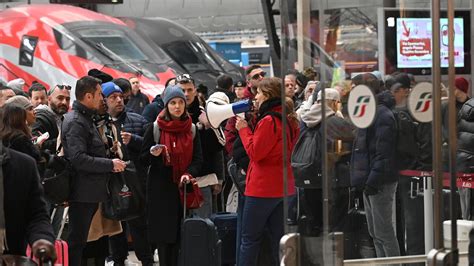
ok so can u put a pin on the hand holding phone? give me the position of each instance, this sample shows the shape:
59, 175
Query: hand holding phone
42, 138
156, 150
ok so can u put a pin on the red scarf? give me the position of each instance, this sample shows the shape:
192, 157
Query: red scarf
177, 136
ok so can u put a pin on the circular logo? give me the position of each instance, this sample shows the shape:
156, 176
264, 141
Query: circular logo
361, 106
420, 102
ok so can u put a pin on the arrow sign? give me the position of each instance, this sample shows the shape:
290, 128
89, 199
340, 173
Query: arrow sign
406, 31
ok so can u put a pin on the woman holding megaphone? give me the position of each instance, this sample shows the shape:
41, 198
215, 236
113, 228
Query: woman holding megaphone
264, 182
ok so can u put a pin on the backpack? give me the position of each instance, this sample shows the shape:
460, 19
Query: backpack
407, 145
306, 159
157, 131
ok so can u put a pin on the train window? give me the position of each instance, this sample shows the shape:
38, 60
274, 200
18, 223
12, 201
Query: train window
71, 47
27, 50
192, 55
114, 40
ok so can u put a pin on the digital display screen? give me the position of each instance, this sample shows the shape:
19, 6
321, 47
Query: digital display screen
408, 41
414, 48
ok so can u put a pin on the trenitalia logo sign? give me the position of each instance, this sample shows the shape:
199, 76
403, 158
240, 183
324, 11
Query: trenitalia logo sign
361, 106
420, 102
423, 103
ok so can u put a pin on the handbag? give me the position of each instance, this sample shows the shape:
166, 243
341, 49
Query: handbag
192, 195
57, 176
126, 199
237, 175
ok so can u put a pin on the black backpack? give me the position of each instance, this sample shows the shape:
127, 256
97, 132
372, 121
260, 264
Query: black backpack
306, 159
407, 145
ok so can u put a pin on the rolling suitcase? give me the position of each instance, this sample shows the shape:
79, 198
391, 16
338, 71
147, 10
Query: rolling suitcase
200, 244
357, 241
226, 224
60, 245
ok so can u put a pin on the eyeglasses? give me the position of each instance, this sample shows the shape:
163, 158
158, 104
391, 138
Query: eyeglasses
258, 75
60, 87
184, 78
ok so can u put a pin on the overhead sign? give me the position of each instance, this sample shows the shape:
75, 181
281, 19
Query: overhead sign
420, 102
361, 106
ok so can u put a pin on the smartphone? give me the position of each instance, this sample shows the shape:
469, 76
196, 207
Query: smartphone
42, 138
156, 147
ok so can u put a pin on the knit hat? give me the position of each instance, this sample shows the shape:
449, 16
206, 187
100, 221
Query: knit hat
218, 98
331, 94
171, 92
16, 84
109, 87
461, 84
20, 100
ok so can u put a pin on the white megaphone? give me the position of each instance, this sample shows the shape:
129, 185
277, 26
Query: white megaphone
216, 113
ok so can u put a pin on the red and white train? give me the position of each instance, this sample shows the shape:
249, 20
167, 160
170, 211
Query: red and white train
57, 44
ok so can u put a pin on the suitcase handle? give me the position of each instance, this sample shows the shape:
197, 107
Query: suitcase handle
42, 260
184, 200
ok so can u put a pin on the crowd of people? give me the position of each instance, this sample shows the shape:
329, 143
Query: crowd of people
171, 143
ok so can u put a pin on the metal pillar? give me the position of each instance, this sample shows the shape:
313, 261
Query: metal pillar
302, 33
428, 206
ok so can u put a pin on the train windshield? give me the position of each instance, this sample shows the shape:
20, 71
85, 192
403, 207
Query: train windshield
192, 55
116, 41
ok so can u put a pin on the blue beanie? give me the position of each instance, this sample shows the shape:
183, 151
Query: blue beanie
109, 88
171, 92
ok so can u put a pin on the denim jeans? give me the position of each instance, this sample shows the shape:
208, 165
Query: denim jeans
238, 233
258, 213
380, 213
465, 195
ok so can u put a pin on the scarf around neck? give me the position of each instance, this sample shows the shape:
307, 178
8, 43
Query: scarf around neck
268, 106
177, 136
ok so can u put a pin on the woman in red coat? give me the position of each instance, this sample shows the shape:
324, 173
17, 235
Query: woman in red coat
264, 184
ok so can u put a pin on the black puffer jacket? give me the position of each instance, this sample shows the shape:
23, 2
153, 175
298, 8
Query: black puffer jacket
84, 148
465, 152
373, 156
135, 124
151, 111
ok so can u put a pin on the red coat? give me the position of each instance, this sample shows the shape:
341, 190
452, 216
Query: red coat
264, 147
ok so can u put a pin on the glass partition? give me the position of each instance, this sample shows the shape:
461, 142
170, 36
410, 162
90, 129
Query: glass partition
372, 160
